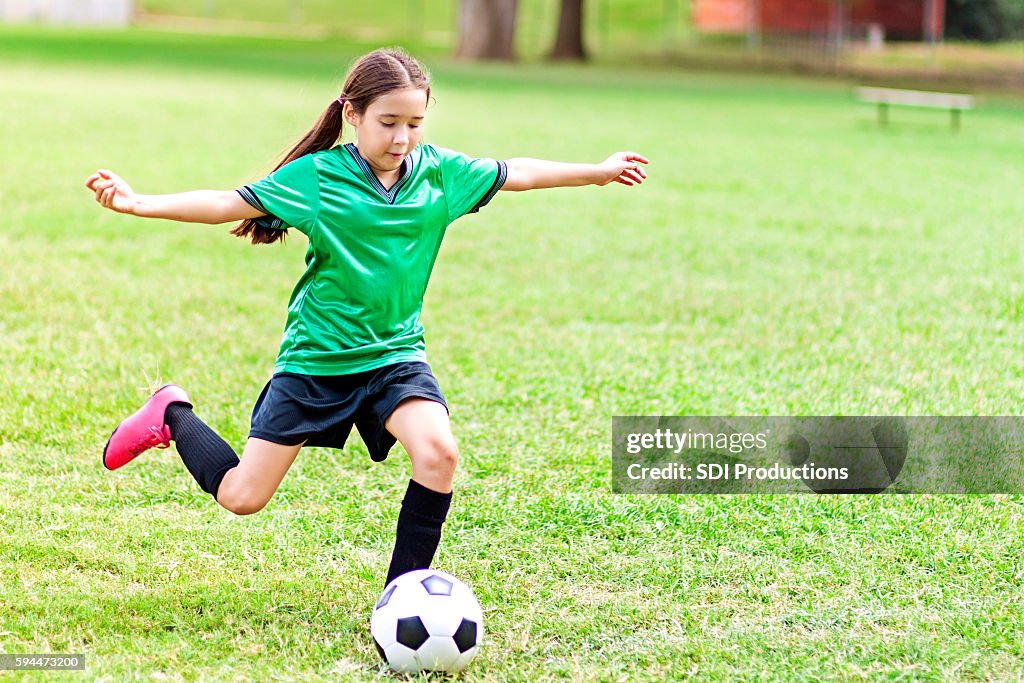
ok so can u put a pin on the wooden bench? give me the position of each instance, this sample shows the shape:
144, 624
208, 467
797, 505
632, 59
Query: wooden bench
884, 97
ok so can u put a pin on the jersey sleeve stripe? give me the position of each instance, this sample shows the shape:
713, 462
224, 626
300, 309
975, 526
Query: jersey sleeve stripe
499, 180
250, 198
270, 221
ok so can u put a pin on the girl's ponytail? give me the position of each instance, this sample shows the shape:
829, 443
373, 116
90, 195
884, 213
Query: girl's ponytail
323, 135
373, 75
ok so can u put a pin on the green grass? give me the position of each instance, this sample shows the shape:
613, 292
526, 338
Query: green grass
785, 257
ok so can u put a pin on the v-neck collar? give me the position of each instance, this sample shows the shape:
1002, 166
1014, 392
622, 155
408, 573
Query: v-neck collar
403, 175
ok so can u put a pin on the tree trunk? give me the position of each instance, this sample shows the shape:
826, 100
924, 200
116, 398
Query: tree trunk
487, 29
569, 42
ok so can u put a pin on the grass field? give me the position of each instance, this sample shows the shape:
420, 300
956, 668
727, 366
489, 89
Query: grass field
785, 257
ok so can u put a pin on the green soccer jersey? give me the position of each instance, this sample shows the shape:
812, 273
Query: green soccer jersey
371, 250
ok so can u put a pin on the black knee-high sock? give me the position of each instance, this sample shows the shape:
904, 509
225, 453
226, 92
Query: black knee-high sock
419, 529
207, 456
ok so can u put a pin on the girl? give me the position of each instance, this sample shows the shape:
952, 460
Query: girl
352, 354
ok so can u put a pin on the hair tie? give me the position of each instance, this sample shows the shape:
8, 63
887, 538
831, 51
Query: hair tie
342, 99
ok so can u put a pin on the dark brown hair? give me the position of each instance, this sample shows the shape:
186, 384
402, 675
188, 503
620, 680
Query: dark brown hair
372, 76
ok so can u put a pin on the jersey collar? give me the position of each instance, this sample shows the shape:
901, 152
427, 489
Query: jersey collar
403, 175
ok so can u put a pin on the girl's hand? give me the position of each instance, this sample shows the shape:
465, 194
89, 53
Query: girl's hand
112, 191
623, 167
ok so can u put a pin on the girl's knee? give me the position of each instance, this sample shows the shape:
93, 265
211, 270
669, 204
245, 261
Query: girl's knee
240, 501
438, 453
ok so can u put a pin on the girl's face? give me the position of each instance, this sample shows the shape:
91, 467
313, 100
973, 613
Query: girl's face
389, 128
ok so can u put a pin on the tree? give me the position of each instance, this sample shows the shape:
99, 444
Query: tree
986, 20
487, 29
569, 41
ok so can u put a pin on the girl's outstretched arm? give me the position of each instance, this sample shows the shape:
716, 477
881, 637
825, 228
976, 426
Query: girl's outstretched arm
534, 174
201, 206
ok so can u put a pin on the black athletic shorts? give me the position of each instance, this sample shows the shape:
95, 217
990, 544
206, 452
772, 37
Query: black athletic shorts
321, 410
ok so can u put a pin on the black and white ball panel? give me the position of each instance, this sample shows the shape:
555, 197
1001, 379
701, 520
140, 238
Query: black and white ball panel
427, 620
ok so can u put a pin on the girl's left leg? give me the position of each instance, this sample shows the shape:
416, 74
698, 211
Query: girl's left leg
423, 429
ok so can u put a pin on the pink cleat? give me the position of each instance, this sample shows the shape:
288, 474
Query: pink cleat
143, 429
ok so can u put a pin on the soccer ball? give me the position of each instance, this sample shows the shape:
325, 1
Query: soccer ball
871, 449
426, 620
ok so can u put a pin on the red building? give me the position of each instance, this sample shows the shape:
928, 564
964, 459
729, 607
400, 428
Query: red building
900, 19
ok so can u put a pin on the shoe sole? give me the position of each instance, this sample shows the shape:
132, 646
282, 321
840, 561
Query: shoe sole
103, 458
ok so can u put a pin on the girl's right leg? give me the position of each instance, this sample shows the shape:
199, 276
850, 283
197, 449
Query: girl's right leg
242, 487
